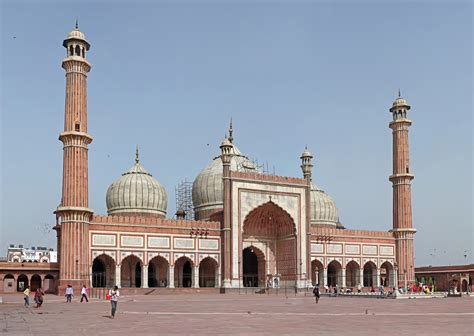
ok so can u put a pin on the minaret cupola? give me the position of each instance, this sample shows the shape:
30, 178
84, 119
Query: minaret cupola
76, 43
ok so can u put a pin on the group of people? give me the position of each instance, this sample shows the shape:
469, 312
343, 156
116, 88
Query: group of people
70, 293
38, 298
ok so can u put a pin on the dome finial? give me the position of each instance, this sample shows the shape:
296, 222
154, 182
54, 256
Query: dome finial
231, 138
77, 23
399, 94
137, 159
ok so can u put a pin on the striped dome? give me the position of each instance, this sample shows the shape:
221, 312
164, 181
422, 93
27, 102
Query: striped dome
136, 191
323, 208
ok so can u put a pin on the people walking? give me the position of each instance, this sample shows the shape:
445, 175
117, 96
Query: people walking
39, 297
114, 295
84, 293
316, 293
69, 293
26, 296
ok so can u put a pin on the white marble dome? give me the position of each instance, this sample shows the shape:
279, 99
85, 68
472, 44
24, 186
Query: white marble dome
136, 192
208, 187
323, 208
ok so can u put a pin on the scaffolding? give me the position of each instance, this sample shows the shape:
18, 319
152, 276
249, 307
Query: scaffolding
184, 199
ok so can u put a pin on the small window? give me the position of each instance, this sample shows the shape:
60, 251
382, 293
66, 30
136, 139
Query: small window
78, 127
71, 51
78, 51
408, 170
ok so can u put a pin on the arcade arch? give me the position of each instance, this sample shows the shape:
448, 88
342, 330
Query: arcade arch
158, 268
183, 272
334, 274
317, 273
207, 272
103, 271
352, 274
370, 274
131, 272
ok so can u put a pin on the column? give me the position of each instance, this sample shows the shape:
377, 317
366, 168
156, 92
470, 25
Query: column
196, 277
117, 276
145, 276
361, 279
316, 279
395, 279
343, 282
171, 277
325, 274
218, 277
378, 277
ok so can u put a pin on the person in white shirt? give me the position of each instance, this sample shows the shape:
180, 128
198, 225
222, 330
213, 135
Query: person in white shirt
84, 294
114, 295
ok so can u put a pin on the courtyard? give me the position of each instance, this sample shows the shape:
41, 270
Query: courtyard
234, 314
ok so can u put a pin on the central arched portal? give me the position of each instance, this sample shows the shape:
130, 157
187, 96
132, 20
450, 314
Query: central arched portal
269, 235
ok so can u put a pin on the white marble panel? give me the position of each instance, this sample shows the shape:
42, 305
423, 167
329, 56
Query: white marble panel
163, 242
369, 249
317, 248
209, 244
184, 243
136, 241
334, 248
103, 240
386, 250
352, 249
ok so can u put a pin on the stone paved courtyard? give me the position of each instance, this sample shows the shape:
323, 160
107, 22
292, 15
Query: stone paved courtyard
233, 314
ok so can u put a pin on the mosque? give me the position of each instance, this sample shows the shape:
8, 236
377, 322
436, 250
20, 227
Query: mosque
251, 229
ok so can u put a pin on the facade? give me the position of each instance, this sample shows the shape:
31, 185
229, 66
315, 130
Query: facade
445, 278
251, 229
34, 254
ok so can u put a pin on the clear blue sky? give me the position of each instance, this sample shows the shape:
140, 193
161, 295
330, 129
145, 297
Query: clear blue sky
169, 75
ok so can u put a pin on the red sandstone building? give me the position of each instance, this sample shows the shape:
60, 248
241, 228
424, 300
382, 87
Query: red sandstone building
250, 228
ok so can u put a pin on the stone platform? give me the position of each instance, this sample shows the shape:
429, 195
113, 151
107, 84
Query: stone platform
233, 314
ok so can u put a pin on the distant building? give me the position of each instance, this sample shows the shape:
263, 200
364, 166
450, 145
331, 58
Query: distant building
34, 254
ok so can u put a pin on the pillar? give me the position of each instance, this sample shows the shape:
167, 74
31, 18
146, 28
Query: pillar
145, 276
378, 277
361, 277
343, 282
73, 213
325, 274
171, 277
196, 276
226, 237
401, 178
118, 280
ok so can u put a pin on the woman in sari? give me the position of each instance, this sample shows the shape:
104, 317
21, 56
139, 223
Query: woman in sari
39, 297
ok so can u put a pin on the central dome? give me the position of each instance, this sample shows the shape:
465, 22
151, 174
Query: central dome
136, 192
208, 187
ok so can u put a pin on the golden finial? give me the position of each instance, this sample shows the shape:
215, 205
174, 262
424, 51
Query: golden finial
137, 160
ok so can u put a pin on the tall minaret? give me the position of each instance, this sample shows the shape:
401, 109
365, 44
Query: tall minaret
403, 230
73, 214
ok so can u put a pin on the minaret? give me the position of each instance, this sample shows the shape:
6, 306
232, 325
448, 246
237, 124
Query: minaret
226, 156
307, 168
73, 214
403, 230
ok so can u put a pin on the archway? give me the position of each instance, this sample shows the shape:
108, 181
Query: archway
35, 282
207, 272
352, 274
103, 272
387, 275
464, 286
9, 283
158, 272
370, 274
253, 267
334, 274
131, 272
22, 283
49, 285
183, 272
317, 273
273, 228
